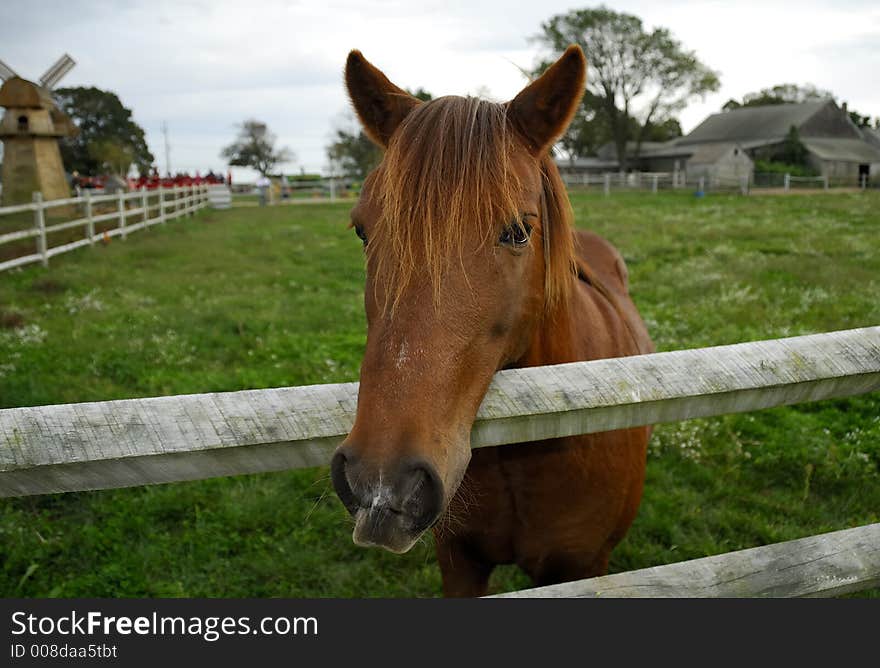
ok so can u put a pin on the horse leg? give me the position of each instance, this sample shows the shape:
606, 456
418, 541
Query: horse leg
464, 575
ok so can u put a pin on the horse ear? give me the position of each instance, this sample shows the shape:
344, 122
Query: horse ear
543, 109
379, 104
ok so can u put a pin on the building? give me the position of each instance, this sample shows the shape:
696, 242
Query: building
723, 147
30, 129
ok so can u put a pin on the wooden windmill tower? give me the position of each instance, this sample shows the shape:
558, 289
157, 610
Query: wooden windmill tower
30, 130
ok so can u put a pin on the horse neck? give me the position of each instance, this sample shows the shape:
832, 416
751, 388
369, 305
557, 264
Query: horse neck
587, 326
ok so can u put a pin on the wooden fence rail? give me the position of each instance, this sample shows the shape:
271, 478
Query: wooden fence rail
825, 565
99, 445
169, 203
141, 441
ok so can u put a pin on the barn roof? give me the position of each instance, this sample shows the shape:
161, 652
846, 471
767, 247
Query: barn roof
586, 162
842, 150
753, 125
872, 136
652, 149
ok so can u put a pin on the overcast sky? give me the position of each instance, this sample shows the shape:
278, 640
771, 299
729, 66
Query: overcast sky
202, 67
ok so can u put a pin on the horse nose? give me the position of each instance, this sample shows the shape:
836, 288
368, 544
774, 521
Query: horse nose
391, 504
343, 463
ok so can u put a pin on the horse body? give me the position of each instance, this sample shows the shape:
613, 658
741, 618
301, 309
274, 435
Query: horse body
473, 266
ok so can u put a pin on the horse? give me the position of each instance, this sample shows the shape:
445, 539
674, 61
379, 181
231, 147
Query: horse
472, 266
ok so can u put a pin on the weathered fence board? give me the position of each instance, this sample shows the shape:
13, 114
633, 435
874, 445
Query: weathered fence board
825, 565
131, 442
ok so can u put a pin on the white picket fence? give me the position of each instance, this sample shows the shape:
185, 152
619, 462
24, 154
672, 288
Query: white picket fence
132, 211
654, 182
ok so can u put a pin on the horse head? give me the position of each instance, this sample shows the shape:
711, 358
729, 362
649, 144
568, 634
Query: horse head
466, 230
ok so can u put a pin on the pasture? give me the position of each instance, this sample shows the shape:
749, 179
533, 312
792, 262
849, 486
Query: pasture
250, 298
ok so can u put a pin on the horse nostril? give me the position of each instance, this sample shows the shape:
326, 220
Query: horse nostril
339, 477
422, 494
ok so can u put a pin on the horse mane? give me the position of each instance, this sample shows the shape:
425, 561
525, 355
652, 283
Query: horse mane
558, 221
450, 166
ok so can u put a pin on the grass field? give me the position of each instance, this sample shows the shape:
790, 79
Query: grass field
251, 298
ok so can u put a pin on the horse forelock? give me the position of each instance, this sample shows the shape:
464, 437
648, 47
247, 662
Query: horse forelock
449, 174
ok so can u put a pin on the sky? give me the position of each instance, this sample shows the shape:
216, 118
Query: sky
204, 67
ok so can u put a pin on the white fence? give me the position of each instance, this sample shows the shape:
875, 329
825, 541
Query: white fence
101, 445
658, 181
130, 211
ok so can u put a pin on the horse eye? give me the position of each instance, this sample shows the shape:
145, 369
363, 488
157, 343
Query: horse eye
359, 230
516, 234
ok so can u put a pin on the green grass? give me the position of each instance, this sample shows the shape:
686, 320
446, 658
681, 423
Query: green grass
251, 298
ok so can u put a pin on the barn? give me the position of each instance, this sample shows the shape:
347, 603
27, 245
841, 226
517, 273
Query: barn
836, 147
723, 147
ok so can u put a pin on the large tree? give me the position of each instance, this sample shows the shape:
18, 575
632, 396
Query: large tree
637, 79
255, 147
108, 136
590, 129
354, 154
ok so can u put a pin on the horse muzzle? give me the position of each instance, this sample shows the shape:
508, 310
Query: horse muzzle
391, 506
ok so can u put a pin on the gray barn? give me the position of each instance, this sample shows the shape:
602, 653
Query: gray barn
723, 147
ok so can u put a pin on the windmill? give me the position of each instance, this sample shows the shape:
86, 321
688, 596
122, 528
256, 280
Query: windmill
30, 130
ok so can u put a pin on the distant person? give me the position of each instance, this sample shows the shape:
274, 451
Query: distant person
263, 184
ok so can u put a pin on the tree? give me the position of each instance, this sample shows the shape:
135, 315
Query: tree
780, 94
792, 151
112, 156
590, 129
634, 75
255, 147
862, 121
352, 152
102, 121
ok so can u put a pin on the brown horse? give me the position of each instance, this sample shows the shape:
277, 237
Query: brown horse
473, 266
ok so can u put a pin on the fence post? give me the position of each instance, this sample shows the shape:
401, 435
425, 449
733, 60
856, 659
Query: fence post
700, 188
144, 202
654, 185
161, 204
786, 182
864, 180
90, 224
40, 224
121, 208
332, 189
744, 185
607, 185
825, 179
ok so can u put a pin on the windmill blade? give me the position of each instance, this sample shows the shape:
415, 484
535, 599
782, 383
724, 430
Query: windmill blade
6, 72
54, 74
